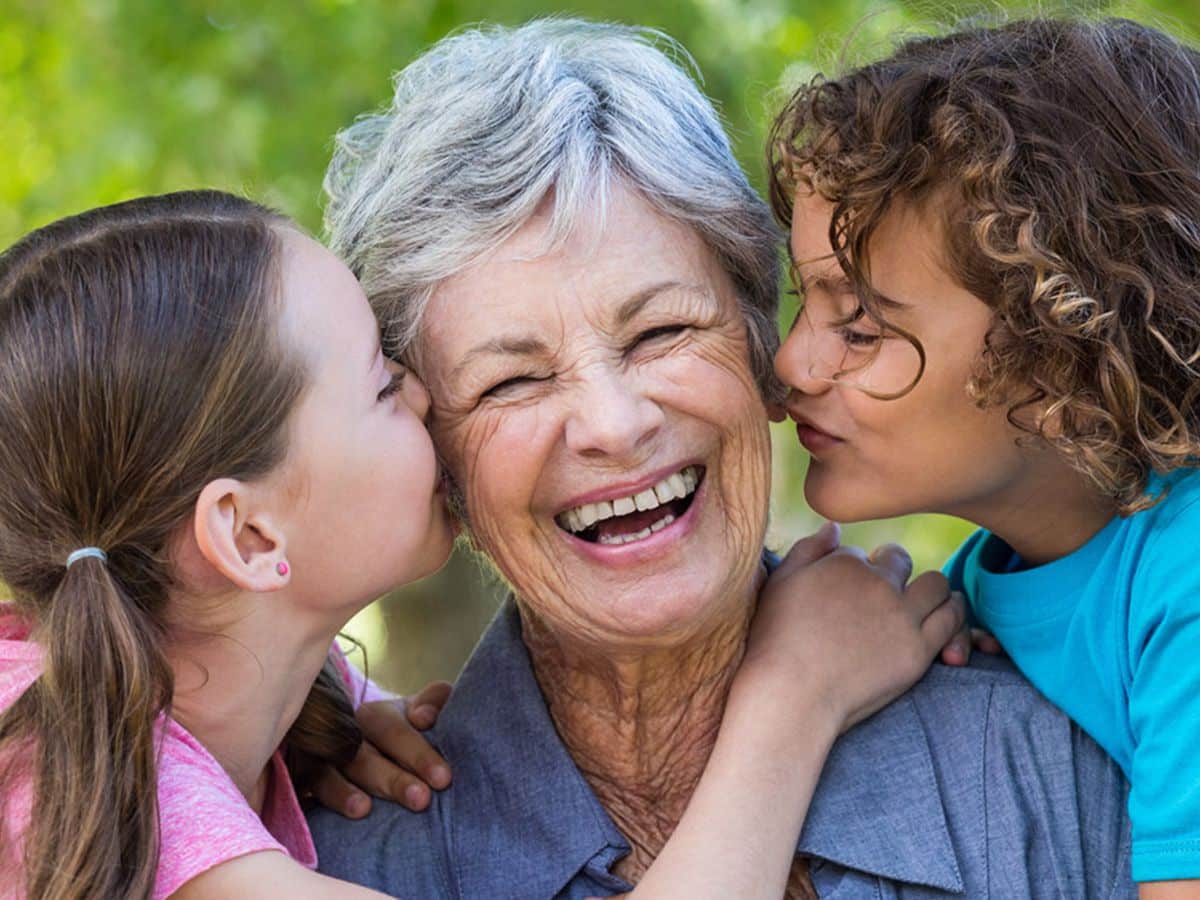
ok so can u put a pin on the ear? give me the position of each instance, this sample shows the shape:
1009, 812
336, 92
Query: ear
238, 539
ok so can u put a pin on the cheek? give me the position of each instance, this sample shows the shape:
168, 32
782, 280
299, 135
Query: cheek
490, 456
707, 374
715, 385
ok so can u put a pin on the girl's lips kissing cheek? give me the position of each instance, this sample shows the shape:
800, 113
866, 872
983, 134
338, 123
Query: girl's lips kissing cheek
641, 522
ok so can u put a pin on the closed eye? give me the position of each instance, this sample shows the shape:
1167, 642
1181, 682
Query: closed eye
662, 331
858, 338
854, 338
508, 383
393, 386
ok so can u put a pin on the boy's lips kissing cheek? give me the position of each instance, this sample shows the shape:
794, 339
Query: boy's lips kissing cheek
816, 439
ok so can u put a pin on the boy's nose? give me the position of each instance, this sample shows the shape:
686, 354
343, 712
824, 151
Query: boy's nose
797, 361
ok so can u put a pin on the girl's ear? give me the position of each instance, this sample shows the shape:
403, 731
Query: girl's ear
238, 539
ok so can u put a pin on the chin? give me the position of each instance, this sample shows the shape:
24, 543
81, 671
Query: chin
664, 617
841, 503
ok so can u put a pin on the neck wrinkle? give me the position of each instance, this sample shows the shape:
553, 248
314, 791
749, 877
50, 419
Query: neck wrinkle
640, 727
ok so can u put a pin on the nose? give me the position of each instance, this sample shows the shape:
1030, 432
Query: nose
611, 414
416, 395
799, 363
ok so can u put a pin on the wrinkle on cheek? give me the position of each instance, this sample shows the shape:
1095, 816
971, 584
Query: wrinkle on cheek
745, 479
501, 525
745, 488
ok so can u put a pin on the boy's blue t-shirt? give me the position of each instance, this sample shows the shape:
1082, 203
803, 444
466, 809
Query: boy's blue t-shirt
1111, 635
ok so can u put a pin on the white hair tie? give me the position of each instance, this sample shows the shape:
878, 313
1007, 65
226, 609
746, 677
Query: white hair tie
84, 552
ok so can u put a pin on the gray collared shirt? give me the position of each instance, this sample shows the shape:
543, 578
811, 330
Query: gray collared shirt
970, 785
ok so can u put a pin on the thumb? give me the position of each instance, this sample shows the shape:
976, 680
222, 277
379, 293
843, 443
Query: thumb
809, 549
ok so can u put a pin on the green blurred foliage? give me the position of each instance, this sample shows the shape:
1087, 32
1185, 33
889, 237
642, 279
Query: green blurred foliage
102, 100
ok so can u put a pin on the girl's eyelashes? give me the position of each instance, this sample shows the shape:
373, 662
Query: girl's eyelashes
393, 386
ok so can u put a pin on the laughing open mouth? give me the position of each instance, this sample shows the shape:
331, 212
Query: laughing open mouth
634, 518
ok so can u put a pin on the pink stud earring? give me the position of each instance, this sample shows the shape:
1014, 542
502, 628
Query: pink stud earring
281, 567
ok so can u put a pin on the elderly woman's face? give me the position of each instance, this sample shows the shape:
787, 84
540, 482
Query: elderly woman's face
596, 408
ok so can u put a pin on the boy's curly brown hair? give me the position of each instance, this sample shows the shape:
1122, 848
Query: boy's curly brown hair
1062, 158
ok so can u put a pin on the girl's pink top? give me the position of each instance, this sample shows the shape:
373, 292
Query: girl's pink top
204, 819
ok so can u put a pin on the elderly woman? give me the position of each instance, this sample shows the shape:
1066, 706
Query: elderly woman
551, 224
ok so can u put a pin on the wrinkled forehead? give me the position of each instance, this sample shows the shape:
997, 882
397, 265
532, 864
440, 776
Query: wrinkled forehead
596, 274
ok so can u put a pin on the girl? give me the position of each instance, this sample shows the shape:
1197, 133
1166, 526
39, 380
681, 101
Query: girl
997, 237
208, 467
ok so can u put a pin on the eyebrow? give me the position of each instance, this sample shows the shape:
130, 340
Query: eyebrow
840, 284
629, 309
505, 345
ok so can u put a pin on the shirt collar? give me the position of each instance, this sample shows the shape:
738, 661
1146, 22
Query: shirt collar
498, 735
877, 808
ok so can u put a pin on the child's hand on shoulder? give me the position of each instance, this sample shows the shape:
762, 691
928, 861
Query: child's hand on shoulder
958, 651
845, 632
395, 761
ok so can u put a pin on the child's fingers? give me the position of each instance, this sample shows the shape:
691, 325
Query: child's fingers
957, 651
986, 642
944, 622
926, 593
426, 704
381, 777
333, 790
894, 562
385, 725
809, 549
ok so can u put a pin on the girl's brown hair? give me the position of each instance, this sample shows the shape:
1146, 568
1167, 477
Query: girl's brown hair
1062, 161
139, 359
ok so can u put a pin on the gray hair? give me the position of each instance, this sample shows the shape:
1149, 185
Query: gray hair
488, 122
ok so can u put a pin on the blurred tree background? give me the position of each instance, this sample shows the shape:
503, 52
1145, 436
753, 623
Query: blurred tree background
102, 100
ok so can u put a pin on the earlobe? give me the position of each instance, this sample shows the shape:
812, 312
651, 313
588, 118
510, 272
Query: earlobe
239, 540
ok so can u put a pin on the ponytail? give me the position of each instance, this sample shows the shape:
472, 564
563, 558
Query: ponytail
139, 359
92, 715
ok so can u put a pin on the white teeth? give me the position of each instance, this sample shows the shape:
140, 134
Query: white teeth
675, 486
662, 523
591, 513
646, 499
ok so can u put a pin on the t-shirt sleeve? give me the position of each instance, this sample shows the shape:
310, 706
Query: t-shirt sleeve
1164, 703
361, 689
204, 819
